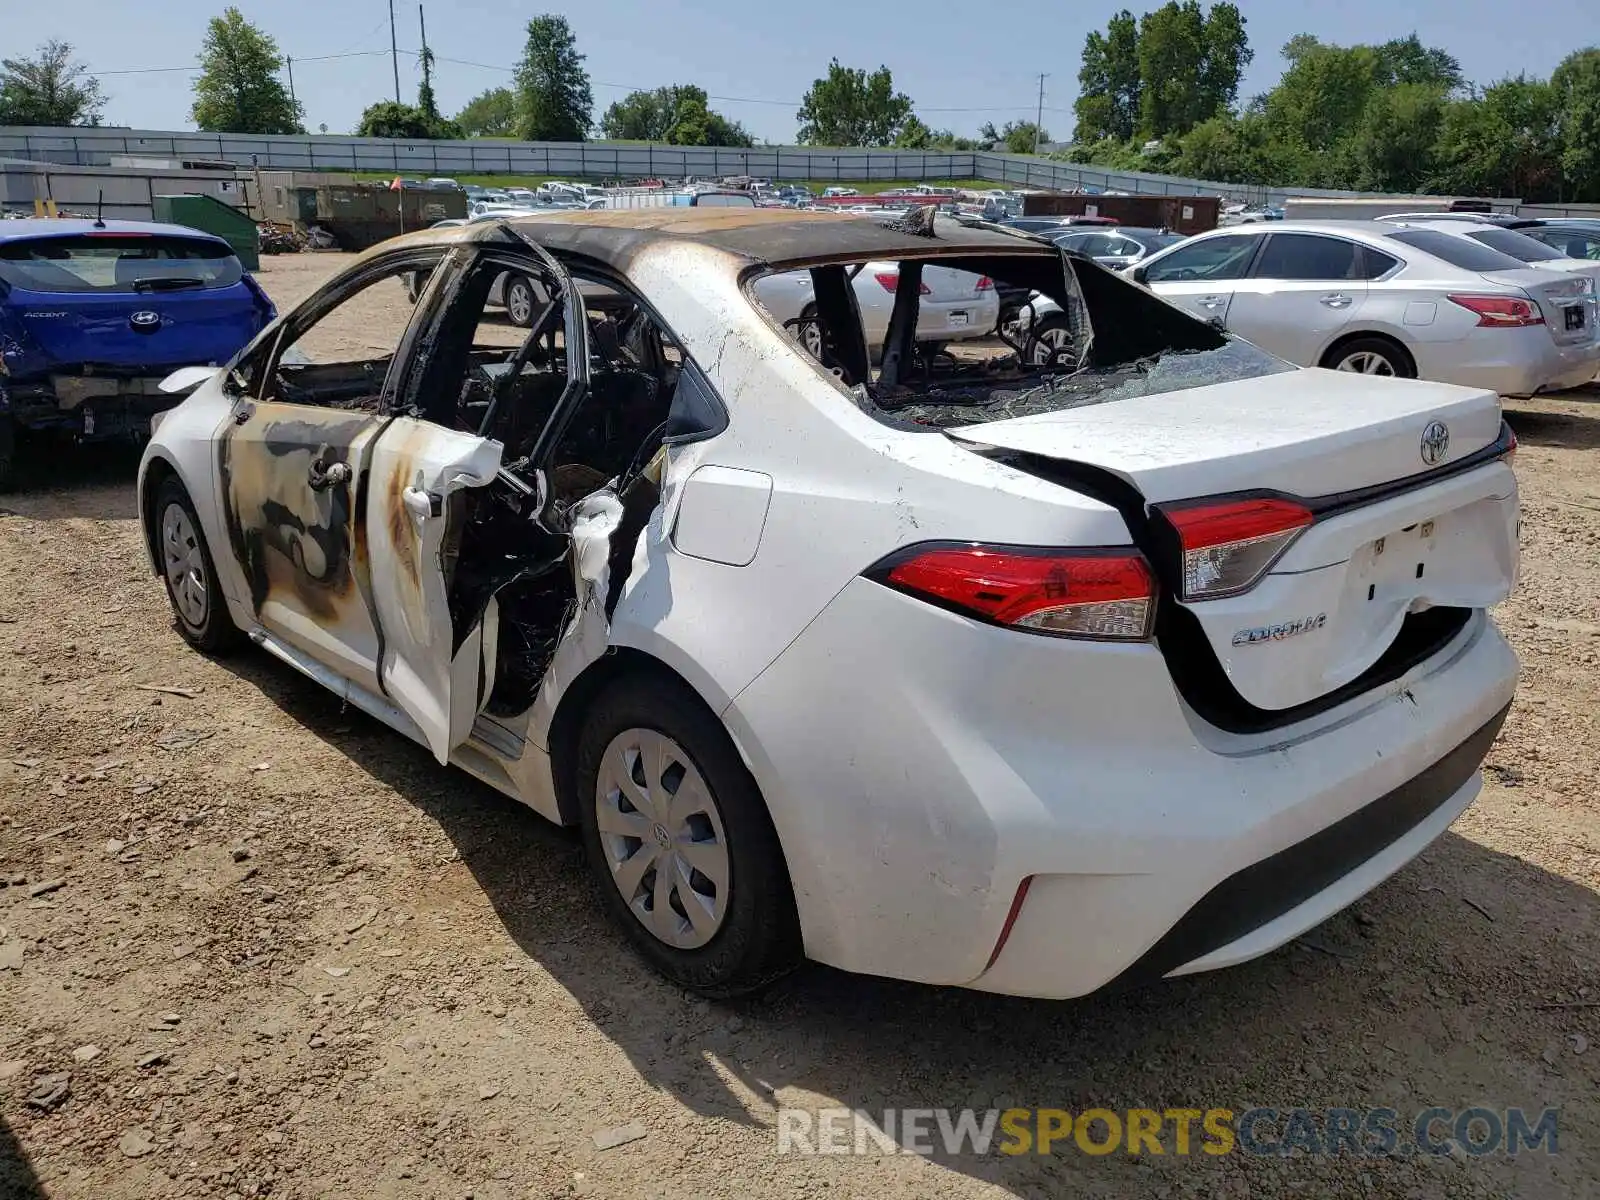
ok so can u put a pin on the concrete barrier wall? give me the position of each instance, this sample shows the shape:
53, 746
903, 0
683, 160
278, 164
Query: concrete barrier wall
593, 160
97, 147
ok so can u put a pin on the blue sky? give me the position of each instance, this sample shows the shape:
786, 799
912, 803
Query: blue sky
945, 54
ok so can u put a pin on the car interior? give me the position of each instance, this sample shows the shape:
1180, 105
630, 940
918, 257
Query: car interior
1109, 330
485, 376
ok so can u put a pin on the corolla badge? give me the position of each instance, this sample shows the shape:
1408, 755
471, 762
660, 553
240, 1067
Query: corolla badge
1276, 633
145, 321
1435, 442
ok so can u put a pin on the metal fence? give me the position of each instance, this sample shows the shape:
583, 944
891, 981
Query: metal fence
589, 160
603, 160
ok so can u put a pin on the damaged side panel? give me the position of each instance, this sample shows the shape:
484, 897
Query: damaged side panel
290, 476
413, 524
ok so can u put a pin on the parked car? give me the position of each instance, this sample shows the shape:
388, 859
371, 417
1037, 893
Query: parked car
1518, 245
1574, 239
999, 679
954, 306
1385, 299
1508, 220
95, 314
1122, 248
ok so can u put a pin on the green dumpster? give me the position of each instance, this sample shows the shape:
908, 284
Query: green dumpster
210, 215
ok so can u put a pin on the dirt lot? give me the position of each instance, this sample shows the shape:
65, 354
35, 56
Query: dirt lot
277, 951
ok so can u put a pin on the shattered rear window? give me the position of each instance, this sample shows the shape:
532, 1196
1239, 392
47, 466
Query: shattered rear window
997, 336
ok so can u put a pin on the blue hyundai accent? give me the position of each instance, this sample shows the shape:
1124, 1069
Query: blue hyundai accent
93, 315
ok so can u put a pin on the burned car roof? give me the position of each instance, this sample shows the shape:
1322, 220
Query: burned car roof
757, 236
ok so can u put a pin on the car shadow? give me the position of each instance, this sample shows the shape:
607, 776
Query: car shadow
17, 1178
1363, 1011
93, 482
1576, 430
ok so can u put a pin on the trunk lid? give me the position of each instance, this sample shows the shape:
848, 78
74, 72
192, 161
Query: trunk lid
137, 333
1394, 534
1566, 299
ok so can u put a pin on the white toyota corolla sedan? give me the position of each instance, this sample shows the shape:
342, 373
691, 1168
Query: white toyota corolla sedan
1019, 677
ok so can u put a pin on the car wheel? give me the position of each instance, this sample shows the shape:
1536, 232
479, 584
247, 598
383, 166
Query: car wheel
1012, 327
190, 575
1049, 342
810, 332
680, 843
1372, 356
521, 301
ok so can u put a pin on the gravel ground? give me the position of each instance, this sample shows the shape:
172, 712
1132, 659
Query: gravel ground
272, 949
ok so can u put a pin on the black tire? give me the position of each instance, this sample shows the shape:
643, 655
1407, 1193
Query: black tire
1037, 352
759, 938
1399, 360
216, 633
525, 320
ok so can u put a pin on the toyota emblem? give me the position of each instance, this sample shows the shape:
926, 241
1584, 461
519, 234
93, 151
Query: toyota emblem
146, 321
1435, 442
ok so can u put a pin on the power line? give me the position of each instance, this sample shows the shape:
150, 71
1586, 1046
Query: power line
621, 87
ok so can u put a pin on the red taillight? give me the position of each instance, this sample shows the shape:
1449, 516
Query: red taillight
1511, 450
985, 284
1228, 547
1107, 595
890, 280
1501, 312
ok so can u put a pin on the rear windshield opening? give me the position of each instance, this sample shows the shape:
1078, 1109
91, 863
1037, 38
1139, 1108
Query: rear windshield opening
995, 336
117, 263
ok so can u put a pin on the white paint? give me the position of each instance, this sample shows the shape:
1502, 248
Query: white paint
721, 515
918, 765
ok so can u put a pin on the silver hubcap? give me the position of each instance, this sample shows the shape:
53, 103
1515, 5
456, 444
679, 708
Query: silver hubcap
1367, 363
185, 567
1052, 345
519, 302
811, 337
662, 837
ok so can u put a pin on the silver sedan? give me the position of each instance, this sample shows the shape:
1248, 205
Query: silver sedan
1388, 300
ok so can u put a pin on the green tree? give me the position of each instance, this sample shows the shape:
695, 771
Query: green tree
386, 119
640, 116
1502, 141
678, 114
491, 114
1019, 136
1392, 147
239, 90
49, 89
554, 101
1226, 54
1407, 60
1576, 88
1109, 82
852, 108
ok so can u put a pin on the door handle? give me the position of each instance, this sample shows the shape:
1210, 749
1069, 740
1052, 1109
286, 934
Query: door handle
326, 475
421, 504
1212, 301
1336, 300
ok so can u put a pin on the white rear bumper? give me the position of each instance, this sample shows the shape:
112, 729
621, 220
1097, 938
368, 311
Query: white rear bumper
919, 766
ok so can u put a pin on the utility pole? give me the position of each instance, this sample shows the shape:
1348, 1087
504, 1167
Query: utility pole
294, 103
1038, 121
394, 53
427, 59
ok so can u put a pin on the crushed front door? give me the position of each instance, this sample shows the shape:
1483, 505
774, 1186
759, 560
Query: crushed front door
438, 676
